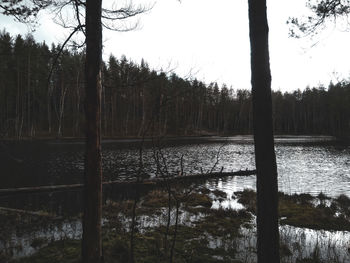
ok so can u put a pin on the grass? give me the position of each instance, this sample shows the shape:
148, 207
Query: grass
65, 251
299, 210
192, 243
195, 239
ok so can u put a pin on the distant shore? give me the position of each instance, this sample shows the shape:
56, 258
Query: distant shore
194, 138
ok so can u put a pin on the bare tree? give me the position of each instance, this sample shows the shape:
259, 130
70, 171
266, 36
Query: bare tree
95, 17
92, 245
265, 159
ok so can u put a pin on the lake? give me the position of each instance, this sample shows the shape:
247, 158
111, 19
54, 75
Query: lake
305, 165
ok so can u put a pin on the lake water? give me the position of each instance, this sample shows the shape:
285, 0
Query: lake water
305, 165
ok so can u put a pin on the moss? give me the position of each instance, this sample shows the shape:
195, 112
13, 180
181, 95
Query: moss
301, 199
112, 209
343, 200
197, 210
224, 222
305, 214
298, 210
22, 223
191, 245
156, 198
4, 257
39, 242
285, 250
309, 260
192, 242
204, 190
67, 251
322, 196
116, 249
220, 194
197, 199
248, 199
344, 205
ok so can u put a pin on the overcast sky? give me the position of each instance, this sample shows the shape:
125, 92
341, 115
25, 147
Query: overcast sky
210, 40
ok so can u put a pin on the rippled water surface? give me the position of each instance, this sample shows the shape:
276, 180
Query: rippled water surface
305, 164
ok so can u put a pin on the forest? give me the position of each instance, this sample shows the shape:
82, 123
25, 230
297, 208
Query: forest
192, 202
40, 99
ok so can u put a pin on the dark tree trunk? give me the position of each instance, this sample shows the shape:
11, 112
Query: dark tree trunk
91, 245
267, 189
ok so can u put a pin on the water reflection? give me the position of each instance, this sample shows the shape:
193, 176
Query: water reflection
23, 244
305, 165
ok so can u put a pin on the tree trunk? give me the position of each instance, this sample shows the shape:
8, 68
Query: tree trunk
77, 120
267, 188
18, 107
28, 95
61, 109
91, 245
49, 94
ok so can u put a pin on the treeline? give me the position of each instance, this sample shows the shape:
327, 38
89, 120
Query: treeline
138, 101
313, 111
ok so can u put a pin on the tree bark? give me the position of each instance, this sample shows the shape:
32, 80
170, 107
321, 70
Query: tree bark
267, 188
91, 244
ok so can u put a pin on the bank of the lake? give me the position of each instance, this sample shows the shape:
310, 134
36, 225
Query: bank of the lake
306, 165
200, 231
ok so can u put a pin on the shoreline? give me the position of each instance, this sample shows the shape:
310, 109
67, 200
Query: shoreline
233, 137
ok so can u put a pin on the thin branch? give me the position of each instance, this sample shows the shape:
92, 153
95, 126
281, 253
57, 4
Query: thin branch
77, 13
217, 158
60, 52
323, 11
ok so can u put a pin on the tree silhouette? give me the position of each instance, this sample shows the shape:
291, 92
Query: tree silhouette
92, 29
334, 11
24, 10
177, 105
322, 11
92, 246
265, 159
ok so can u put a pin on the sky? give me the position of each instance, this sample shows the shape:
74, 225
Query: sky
209, 40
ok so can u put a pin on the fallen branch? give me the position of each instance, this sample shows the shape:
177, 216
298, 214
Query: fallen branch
27, 212
145, 182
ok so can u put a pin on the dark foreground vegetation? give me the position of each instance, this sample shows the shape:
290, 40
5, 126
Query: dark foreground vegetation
138, 100
186, 228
